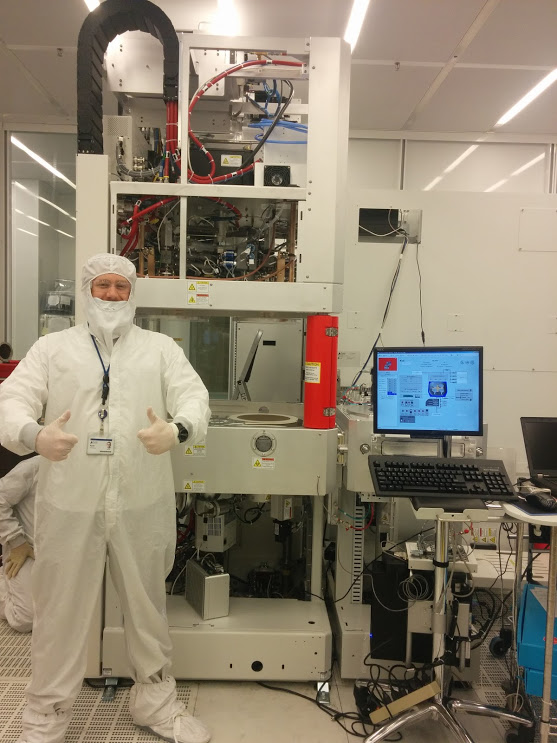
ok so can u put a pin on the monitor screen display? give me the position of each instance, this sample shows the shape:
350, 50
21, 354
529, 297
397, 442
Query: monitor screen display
428, 391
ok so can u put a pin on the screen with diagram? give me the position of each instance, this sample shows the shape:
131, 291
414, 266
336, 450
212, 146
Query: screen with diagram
423, 391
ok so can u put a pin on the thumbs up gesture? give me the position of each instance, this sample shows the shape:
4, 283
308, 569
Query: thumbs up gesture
52, 442
160, 436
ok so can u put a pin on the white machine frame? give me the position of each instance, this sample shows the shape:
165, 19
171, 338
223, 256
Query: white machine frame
261, 638
320, 243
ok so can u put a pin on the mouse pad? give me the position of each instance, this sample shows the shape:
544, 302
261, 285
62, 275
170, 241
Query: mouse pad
533, 510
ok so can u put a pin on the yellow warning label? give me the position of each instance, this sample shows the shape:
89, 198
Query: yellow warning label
191, 288
197, 450
196, 486
263, 463
231, 161
192, 300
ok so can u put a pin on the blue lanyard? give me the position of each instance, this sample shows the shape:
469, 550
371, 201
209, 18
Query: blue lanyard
106, 378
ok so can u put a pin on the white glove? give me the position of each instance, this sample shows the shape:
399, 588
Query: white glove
17, 558
160, 436
53, 443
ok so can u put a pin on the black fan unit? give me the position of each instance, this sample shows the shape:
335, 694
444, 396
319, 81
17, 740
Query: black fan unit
276, 175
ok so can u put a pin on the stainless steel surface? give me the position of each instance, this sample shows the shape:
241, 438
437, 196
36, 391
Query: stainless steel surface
207, 594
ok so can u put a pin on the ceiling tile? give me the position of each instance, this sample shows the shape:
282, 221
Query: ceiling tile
472, 100
519, 32
53, 23
382, 97
417, 30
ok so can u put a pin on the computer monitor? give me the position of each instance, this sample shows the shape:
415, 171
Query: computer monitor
425, 391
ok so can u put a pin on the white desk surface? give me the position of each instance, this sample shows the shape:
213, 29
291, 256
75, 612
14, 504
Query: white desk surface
541, 519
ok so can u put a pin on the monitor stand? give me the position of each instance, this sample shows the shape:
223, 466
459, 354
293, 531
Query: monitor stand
444, 443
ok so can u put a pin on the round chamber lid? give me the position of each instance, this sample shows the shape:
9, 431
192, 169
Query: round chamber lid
270, 419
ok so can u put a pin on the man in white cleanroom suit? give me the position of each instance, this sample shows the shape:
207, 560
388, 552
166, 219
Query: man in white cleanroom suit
17, 505
105, 488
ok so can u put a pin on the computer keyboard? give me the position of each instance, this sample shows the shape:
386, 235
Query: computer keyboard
485, 479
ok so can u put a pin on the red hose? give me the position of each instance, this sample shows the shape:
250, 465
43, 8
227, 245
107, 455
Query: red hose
193, 177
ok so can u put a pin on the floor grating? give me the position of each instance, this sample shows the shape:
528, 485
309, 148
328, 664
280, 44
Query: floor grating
93, 721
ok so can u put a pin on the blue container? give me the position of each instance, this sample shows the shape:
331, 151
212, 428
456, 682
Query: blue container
532, 618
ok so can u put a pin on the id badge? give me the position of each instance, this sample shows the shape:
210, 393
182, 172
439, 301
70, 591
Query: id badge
97, 444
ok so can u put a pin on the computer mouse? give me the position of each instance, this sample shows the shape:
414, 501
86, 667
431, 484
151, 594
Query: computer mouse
543, 501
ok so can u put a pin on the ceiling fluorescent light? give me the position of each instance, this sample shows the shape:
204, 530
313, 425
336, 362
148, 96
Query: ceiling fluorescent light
92, 4
46, 201
528, 98
27, 232
64, 233
41, 161
355, 22
527, 165
433, 183
496, 185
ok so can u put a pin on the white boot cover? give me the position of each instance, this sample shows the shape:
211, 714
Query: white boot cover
39, 728
156, 708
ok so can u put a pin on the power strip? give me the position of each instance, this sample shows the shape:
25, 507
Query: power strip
416, 561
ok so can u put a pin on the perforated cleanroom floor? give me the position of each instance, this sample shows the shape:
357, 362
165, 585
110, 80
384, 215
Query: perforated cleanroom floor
94, 720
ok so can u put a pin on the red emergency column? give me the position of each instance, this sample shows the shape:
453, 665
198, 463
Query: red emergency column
320, 383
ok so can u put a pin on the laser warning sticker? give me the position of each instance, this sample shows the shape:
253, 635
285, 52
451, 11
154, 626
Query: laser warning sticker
312, 372
198, 292
263, 463
194, 486
231, 161
197, 450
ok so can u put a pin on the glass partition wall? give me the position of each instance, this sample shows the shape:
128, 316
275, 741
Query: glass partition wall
41, 259
41, 209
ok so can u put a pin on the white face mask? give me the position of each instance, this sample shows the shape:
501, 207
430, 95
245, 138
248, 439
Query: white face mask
108, 320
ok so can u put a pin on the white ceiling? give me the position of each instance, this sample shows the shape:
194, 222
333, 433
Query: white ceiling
404, 73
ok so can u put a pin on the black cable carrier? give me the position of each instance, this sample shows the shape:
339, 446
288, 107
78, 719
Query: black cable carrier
111, 18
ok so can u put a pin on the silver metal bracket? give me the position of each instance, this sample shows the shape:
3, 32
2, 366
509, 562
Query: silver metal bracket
323, 692
110, 686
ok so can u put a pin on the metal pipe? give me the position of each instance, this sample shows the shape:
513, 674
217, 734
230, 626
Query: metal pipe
439, 598
548, 658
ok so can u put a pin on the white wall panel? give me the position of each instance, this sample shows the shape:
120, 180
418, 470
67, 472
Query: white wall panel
478, 288
470, 166
374, 163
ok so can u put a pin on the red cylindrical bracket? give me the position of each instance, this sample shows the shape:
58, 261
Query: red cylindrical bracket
320, 381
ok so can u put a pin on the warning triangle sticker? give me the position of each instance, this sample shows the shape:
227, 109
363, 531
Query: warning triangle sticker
191, 288
191, 300
257, 463
189, 451
187, 486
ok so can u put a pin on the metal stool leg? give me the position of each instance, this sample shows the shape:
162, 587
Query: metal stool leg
486, 710
410, 716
